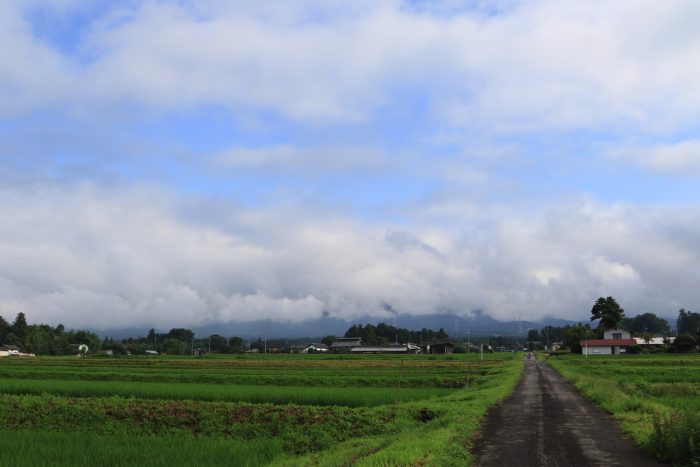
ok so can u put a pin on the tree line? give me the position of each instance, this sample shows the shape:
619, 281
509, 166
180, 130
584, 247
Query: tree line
177, 341
383, 334
42, 339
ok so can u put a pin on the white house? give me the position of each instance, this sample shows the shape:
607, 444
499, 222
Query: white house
7, 350
615, 342
616, 334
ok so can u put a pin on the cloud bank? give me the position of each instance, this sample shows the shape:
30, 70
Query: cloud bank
114, 259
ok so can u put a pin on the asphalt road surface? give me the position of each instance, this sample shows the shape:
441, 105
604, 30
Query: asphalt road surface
546, 422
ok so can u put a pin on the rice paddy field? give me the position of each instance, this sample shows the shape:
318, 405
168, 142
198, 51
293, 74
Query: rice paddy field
655, 398
247, 410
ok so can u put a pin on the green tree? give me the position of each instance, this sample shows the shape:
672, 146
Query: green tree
235, 344
217, 343
88, 338
647, 322
175, 346
13, 339
19, 327
152, 337
573, 335
5, 329
59, 345
688, 323
683, 343
328, 340
185, 335
37, 339
608, 312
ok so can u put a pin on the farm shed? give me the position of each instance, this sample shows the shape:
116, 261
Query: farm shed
315, 347
655, 341
393, 349
9, 349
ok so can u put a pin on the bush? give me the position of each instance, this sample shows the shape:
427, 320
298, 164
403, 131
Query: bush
676, 438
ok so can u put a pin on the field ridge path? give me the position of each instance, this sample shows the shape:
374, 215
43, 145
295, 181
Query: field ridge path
546, 422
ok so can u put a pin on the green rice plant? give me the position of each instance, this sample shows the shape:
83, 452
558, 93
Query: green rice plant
39, 449
299, 428
345, 412
441, 437
351, 397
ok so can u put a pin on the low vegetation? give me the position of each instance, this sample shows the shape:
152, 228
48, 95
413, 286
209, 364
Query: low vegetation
655, 398
247, 410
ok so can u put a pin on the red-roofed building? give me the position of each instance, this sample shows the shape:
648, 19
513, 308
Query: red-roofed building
616, 342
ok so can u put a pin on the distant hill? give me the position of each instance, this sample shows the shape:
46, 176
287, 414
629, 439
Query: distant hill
479, 324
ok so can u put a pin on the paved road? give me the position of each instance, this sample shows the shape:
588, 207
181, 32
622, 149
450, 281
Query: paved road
545, 422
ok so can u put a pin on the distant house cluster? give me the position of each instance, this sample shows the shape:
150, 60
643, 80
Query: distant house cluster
354, 345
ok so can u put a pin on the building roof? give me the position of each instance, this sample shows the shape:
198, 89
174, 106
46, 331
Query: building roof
380, 348
607, 342
10, 347
654, 340
318, 345
347, 342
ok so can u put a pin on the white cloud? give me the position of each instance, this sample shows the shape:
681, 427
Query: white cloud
310, 160
534, 64
94, 257
682, 157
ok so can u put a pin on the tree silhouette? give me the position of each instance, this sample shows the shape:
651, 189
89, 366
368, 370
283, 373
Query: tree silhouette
608, 312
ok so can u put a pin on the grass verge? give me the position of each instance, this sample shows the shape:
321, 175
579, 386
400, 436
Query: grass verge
651, 400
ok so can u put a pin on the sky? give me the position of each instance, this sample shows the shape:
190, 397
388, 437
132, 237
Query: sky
187, 163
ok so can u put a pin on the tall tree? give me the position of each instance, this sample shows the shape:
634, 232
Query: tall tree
688, 322
184, 335
5, 329
608, 312
152, 337
19, 327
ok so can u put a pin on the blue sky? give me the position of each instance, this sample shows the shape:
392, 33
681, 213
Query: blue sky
170, 163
